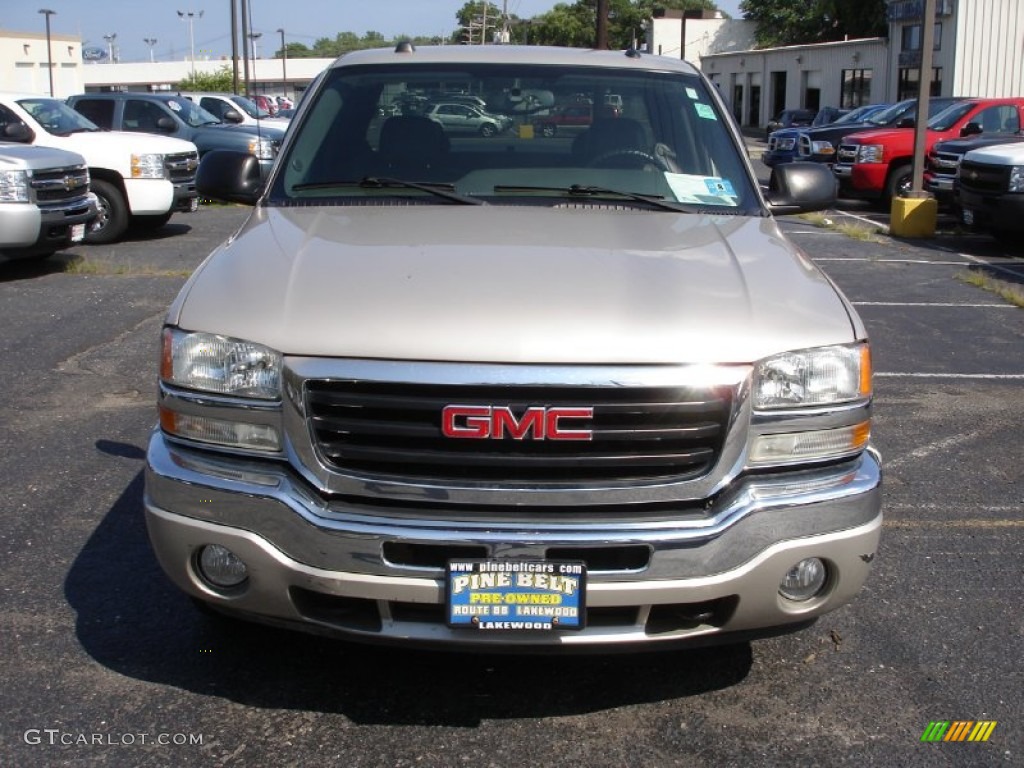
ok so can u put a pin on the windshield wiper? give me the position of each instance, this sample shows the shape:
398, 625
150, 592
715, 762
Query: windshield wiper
589, 190
445, 191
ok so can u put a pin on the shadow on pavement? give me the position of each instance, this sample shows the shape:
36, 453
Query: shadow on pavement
133, 621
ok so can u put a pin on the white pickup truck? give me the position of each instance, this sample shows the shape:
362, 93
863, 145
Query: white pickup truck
991, 192
45, 201
138, 179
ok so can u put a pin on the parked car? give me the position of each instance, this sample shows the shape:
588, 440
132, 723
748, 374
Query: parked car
463, 118
45, 202
138, 180
790, 118
991, 192
511, 394
943, 163
168, 114
267, 103
784, 144
574, 117
232, 108
821, 145
878, 164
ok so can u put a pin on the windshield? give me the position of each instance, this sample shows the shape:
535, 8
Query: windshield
635, 137
190, 112
950, 116
889, 116
857, 115
249, 107
56, 117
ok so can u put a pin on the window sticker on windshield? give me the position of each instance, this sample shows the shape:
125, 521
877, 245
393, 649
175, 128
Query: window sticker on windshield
692, 93
703, 110
174, 105
706, 190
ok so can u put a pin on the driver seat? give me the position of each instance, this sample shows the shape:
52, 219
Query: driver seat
605, 135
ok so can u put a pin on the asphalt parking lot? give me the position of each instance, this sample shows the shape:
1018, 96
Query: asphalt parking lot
106, 664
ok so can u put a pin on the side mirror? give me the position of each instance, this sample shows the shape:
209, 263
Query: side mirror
166, 125
232, 116
800, 187
971, 129
906, 122
18, 132
229, 175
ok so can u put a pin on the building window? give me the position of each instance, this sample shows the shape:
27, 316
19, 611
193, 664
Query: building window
911, 76
911, 37
856, 88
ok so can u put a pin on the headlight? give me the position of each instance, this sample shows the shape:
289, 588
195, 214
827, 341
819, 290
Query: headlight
14, 187
262, 148
786, 144
211, 363
813, 377
1017, 178
870, 153
822, 148
149, 166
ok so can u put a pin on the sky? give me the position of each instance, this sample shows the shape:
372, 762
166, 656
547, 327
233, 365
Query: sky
304, 21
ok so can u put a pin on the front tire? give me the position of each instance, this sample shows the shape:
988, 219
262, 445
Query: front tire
112, 220
899, 183
487, 130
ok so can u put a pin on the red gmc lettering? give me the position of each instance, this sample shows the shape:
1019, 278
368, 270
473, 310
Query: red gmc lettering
478, 422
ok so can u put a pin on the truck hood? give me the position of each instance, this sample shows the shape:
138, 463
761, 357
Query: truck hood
15, 157
97, 147
264, 129
961, 146
887, 136
508, 284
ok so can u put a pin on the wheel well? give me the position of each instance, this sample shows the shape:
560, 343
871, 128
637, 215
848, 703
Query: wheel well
111, 177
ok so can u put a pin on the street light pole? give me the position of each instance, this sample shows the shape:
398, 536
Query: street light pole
151, 42
284, 63
110, 45
49, 51
190, 17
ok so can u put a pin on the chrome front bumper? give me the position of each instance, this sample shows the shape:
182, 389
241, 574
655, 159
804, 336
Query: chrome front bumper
329, 566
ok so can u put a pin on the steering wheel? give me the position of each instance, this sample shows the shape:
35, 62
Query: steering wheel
641, 156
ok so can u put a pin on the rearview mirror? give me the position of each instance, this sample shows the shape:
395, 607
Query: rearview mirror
800, 187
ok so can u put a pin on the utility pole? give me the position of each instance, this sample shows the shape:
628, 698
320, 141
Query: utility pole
110, 45
245, 43
602, 25
234, 46
925, 88
284, 63
190, 17
151, 42
49, 51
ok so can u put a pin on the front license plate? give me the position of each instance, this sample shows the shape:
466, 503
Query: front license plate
77, 233
490, 595
968, 216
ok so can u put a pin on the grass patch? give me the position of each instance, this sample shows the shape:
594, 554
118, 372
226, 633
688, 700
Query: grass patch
1011, 292
852, 229
80, 266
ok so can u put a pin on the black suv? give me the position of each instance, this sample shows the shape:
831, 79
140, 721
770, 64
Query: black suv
173, 115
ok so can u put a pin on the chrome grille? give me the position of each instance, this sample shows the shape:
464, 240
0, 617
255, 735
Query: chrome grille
181, 167
847, 154
59, 185
981, 177
944, 163
639, 433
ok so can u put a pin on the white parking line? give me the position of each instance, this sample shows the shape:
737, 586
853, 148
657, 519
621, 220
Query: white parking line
972, 376
990, 265
929, 304
892, 261
872, 222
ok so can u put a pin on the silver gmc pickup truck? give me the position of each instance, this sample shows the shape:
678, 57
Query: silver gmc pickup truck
514, 391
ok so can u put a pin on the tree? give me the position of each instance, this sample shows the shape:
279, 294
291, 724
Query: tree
471, 18
221, 81
784, 22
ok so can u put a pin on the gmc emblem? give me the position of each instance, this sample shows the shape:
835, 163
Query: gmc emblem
487, 422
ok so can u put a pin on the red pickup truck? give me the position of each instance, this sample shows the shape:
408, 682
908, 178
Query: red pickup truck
878, 164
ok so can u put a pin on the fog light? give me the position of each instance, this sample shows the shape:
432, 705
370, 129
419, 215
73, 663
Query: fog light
221, 567
804, 580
